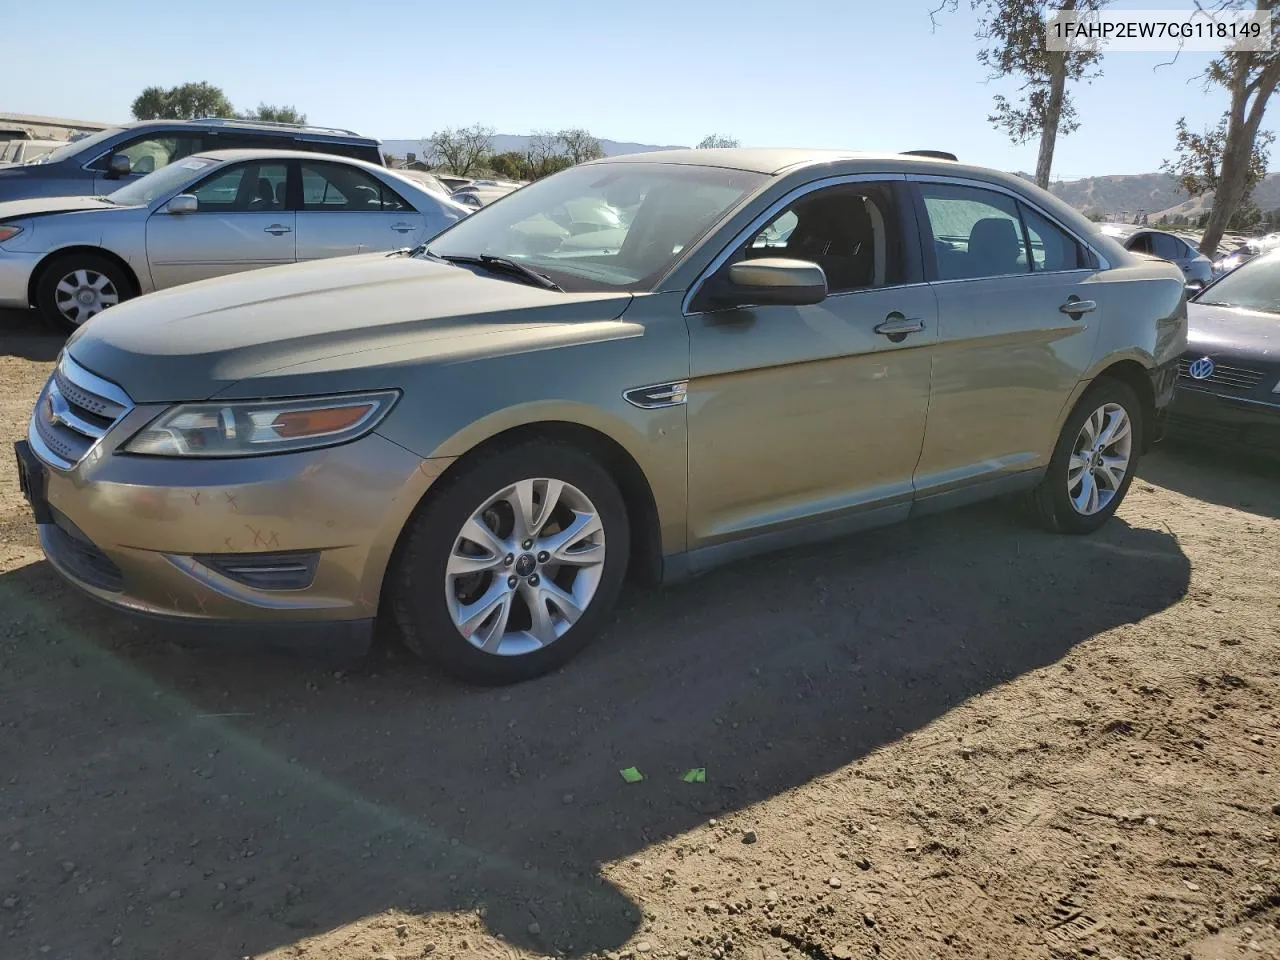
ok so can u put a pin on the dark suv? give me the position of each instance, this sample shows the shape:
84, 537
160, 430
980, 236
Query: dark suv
106, 161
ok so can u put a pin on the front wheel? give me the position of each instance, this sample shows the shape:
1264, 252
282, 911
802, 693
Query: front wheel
513, 564
75, 288
1094, 461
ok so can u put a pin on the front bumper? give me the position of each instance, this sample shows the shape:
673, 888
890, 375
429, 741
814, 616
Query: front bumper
173, 538
15, 277
1214, 418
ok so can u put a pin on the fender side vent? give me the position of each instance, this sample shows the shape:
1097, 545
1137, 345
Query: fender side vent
654, 396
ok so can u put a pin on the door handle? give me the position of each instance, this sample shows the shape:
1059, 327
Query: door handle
276, 229
896, 327
402, 227
1075, 308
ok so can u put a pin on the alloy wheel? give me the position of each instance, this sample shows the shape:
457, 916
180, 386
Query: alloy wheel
525, 566
1100, 459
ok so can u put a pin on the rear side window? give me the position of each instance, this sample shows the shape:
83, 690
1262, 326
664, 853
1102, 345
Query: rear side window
976, 233
335, 188
369, 154
1052, 248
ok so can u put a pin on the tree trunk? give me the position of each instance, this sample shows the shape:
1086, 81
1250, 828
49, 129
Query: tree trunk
1243, 121
1052, 114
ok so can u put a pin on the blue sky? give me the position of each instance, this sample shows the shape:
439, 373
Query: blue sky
819, 73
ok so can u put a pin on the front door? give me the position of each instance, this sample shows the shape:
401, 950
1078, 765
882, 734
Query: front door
1010, 351
804, 414
346, 210
242, 221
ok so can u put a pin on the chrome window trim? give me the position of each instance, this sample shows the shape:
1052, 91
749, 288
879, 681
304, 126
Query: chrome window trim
1103, 262
1015, 276
758, 223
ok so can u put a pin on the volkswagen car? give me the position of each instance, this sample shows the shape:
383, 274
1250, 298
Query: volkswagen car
206, 215
479, 438
1229, 377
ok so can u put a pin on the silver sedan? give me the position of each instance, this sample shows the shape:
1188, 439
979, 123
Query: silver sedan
204, 216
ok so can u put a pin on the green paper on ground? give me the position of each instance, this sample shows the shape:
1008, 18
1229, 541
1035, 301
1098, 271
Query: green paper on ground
695, 775
631, 775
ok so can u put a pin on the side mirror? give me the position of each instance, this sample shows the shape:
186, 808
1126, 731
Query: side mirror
119, 166
774, 281
182, 203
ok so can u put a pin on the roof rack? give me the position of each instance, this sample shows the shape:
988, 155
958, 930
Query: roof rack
274, 124
935, 154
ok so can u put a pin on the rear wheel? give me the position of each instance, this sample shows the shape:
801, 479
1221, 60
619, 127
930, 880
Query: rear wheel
75, 288
513, 564
1094, 461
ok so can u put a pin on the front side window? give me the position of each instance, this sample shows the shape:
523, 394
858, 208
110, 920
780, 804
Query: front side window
976, 233
149, 154
850, 231
254, 187
336, 188
603, 226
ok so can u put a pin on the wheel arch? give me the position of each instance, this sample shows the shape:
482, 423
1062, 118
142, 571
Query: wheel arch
38, 273
1138, 378
645, 561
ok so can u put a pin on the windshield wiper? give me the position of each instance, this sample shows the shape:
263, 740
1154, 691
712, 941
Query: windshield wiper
503, 265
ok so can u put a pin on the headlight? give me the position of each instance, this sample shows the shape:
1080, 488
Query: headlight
8, 232
246, 429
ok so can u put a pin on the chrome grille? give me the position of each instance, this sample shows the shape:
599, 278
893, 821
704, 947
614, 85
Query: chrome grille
1233, 378
75, 411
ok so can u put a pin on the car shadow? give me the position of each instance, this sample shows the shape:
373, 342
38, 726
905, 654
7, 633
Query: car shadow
23, 335
236, 801
1218, 475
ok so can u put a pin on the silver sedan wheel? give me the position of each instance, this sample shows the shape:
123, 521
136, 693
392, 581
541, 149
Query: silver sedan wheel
1100, 459
525, 567
82, 294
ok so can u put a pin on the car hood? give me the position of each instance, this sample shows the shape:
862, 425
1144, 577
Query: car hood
1233, 330
346, 322
44, 206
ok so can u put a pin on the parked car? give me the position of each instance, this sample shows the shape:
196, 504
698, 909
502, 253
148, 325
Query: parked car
1229, 377
27, 151
479, 439
428, 180
1195, 266
206, 215
452, 181
1241, 254
112, 158
479, 193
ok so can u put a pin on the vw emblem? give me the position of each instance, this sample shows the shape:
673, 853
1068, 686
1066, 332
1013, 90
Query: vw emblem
1201, 369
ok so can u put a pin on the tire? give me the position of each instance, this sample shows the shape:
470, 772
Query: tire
427, 596
64, 280
1056, 502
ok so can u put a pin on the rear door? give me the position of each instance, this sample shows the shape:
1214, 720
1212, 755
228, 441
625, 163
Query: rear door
242, 221
1011, 350
346, 210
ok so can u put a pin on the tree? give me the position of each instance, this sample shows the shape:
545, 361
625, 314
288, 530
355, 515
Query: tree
543, 154
460, 150
1231, 158
714, 140
1015, 45
579, 145
274, 114
510, 165
184, 102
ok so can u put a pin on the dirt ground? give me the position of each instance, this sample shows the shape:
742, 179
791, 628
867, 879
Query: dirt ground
959, 737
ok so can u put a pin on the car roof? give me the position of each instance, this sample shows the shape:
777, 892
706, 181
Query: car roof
257, 126
245, 153
774, 160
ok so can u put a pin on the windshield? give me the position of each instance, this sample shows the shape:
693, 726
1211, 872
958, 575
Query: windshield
165, 180
75, 146
602, 227
1254, 285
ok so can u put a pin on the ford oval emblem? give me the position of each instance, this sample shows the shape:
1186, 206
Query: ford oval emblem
1201, 369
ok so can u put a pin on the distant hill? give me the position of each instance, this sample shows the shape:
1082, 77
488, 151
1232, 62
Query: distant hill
1157, 193
504, 142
